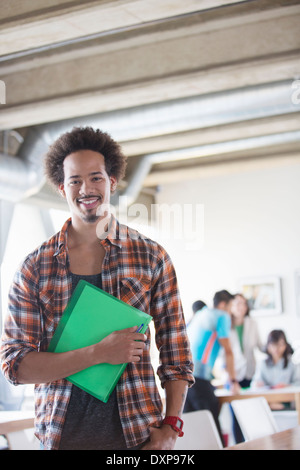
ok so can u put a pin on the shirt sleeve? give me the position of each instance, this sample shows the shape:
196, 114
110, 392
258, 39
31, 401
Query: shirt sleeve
171, 336
21, 331
259, 375
223, 326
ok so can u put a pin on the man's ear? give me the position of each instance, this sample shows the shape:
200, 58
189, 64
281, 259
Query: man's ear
113, 183
61, 190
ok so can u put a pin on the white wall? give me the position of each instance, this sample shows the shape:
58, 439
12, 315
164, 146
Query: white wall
26, 233
251, 228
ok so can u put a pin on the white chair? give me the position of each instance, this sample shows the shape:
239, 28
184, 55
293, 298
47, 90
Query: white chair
285, 419
200, 432
254, 417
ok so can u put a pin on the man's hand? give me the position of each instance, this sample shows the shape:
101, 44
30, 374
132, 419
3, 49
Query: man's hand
121, 346
235, 388
163, 438
117, 348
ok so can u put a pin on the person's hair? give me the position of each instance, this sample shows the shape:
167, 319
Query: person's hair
222, 296
273, 337
84, 138
198, 305
243, 297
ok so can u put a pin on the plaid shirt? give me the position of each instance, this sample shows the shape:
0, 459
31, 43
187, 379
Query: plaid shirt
136, 270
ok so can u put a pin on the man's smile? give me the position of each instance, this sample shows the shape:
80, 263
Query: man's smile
89, 202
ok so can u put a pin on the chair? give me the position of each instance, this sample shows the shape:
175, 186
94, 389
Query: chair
200, 432
254, 417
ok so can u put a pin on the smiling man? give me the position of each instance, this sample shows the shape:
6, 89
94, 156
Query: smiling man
85, 166
88, 189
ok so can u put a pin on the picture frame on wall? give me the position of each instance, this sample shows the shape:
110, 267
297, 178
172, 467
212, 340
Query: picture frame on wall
263, 295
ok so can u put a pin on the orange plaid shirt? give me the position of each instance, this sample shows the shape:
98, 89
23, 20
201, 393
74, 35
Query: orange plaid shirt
136, 270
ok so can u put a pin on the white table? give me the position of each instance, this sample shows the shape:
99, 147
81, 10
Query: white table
286, 394
13, 425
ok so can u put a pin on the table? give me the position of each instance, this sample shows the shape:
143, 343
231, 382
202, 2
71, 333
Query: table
14, 425
284, 440
13, 421
286, 394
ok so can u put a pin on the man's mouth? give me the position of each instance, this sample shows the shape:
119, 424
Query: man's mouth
89, 202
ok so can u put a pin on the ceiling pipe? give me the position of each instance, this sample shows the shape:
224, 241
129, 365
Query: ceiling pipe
23, 175
152, 120
135, 184
186, 114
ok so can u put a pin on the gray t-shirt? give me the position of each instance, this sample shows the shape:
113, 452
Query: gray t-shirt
91, 424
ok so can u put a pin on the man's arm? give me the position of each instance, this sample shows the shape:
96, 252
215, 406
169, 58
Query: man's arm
225, 343
164, 438
119, 347
176, 367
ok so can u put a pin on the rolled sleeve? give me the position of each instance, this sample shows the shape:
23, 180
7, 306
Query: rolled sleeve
171, 337
21, 332
12, 355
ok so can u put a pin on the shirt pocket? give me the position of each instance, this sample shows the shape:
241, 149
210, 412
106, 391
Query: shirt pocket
49, 320
136, 292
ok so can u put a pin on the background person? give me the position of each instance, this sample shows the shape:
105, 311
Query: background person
245, 339
208, 331
278, 369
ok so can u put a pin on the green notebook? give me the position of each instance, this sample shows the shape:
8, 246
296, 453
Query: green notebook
90, 316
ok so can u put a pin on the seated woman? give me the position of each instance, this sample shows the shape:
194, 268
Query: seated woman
277, 370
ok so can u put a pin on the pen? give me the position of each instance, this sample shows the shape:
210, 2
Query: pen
140, 328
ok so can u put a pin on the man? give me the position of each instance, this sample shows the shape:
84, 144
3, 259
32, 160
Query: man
208, 331
85, 166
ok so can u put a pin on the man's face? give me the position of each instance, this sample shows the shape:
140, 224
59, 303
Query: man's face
87, 185
225, 306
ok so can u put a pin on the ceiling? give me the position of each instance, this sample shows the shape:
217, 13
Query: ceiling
189, 88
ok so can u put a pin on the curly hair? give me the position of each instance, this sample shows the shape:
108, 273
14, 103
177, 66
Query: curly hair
84, 138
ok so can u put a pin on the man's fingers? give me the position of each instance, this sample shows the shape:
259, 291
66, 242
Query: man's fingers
132, 330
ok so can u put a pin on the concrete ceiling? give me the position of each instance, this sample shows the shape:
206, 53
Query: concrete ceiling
210, 86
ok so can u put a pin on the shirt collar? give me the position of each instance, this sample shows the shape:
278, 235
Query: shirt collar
62, 237
115, 234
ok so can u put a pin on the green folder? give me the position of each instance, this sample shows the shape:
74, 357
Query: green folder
90, 316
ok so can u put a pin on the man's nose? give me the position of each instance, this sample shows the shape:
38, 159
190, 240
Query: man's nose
86, 188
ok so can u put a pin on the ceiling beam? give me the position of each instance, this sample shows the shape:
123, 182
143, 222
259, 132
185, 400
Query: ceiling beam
146, 69
26, 25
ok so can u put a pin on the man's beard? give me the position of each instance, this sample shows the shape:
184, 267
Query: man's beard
90, 218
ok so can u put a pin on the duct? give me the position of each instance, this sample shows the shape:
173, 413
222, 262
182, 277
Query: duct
146, 163
135, 183
186, 114
150, 121
22, 176
15, 178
